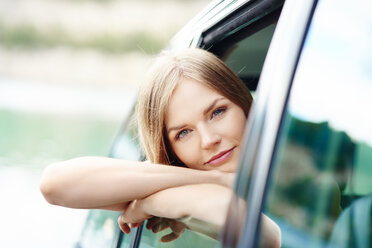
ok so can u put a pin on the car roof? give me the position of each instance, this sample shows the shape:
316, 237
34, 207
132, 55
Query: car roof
213, 13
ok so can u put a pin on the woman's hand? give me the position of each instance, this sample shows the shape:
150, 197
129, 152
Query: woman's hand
133, 216
158, 224
206, 202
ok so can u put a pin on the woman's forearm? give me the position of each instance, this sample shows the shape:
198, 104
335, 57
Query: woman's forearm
206, 202
96, 182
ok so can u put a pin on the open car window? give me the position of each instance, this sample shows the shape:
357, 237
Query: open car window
244, 50
246, 57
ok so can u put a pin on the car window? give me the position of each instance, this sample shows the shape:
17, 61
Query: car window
101, 229
320, 189
244, 48
188, 239
244, 51
246, 57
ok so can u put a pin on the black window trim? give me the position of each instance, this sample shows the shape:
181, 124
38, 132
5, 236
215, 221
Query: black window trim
244, 16
261, 21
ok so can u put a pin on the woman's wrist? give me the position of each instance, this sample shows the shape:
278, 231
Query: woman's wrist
223, 178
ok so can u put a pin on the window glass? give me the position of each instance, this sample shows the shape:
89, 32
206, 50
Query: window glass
246, 57
101, 228
126, 145
320, 187
127, 239
187, 239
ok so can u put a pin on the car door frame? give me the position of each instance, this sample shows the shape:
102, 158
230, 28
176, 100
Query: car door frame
264, 123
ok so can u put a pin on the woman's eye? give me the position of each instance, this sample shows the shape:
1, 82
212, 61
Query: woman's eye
182, 134
218, 112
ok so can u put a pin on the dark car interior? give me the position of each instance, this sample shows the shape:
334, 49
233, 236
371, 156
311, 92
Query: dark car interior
242, 39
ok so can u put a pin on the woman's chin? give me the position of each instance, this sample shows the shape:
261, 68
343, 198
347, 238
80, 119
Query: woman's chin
230, 167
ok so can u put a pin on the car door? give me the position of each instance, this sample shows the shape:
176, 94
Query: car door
308, 156
101, 229
240, 33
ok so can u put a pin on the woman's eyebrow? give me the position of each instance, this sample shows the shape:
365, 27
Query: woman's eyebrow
175, 128
211, 106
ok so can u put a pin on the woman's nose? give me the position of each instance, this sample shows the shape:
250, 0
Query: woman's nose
209, 138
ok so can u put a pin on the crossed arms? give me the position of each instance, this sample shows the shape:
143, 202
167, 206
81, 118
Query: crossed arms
139, 189
98, 182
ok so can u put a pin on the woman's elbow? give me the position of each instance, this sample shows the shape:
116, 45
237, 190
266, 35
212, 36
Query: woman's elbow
49, 186
271, 234
277, 238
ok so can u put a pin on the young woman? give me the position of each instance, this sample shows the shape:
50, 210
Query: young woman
191, 113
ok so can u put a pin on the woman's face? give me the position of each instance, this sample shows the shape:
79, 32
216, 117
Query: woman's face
204, 128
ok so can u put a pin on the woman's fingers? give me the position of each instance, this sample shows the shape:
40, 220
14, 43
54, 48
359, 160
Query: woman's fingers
160, 226
133, 216
157, 224
134, 225
152, 222
123, 226
177, 226
177, 229
169, 237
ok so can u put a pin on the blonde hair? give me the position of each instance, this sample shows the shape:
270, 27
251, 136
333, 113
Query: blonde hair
167, 71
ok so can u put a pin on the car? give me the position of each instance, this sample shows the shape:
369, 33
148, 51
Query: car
307, 155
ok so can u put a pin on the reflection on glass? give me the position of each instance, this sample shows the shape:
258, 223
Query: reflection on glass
187, 239
247, 57
100, 229
125, 147
320, 190
126, 239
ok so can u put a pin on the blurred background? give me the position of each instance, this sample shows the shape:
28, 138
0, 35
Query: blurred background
69, 71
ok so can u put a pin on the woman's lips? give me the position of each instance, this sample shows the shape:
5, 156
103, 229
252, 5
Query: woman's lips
220, 157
